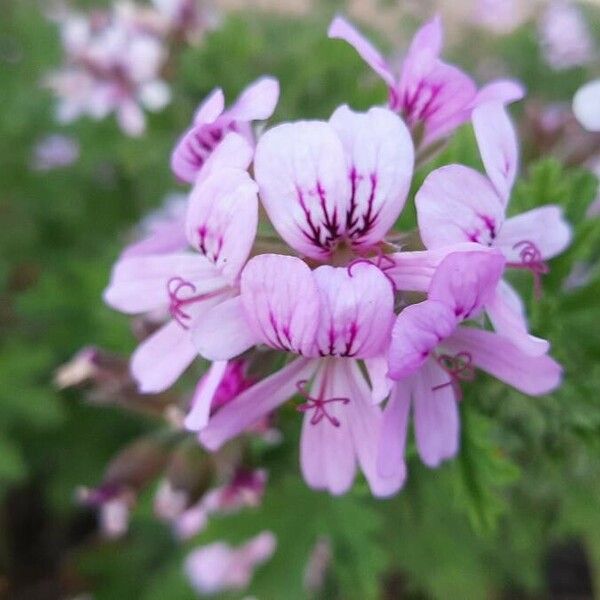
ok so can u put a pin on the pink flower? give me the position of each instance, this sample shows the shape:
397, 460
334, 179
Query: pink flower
218, 567
53, 152
111, 67
565, 38
430, 354
340, 317
433, 97
212, 122
246, 489
457, 204
220, 226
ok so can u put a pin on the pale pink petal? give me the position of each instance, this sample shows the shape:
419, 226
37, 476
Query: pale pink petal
586, 103
394, 429
281, 302
365, 422
139, 284
545, 227
211, 108
222, 218
257, 101
533, 375
223, 332
507, 314
327, 457
341, 29
301, 171
356, 310
497, 141
466, 281
423, 52
436, 415
501, 90
204, 394
379, 163
255, 402
377, 369
131, 118
233, 152
412, 271
439, 102
159, 360
417, 331
457, 204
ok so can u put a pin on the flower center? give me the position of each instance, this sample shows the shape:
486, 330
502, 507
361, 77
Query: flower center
459, 367
531, 260
319, 405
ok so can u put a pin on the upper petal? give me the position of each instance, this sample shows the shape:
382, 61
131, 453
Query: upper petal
380, 159
356, 310
466, 281
498, 147
424, 50
211, 108
418, 329
341, 29
500, 90
222, 218
301, 171
533, 375
545, 227
257, 101
281, 302
458, 204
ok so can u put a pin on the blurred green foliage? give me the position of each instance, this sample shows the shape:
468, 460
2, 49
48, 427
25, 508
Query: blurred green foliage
527, 476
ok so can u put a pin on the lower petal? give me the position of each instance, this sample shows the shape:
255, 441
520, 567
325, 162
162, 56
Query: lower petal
392, 443
162, 358
199, 413
533, 375
254, 403
507, 315
437, 421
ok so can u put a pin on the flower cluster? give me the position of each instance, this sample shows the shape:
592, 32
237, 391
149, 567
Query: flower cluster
114, 60
365, 333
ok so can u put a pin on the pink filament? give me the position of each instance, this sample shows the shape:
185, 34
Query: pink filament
380, 259
175, 286
318, 404
531, 260
459, 367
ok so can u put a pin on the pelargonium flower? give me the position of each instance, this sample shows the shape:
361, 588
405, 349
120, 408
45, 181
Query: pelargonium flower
458, 204
212, 122
220, 226
431, 352
339, 318
111, 67
432, 96
218, 567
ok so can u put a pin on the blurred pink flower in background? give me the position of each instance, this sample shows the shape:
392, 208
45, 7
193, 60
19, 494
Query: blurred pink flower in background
501, 16
54, 151
219, 567
564, 36
586, 105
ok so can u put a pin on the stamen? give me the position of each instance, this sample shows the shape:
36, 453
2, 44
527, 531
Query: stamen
531, 260
379, 261
459, 367
319, 405
175, 286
